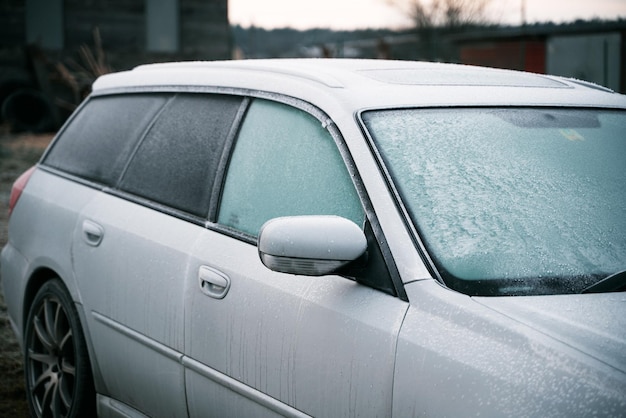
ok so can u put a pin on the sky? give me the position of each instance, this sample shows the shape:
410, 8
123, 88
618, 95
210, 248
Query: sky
360, 14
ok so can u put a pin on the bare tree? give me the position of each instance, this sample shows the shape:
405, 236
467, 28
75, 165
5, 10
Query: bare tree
450, 14
435, 19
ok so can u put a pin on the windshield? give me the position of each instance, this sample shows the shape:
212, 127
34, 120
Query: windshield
511, 201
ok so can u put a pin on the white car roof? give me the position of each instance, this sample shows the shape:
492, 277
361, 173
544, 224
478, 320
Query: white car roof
363, 84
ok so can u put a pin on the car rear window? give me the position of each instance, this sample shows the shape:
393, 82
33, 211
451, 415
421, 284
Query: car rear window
177, 161
99, 139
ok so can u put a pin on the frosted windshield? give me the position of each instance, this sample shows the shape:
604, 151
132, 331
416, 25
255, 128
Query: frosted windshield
511, 201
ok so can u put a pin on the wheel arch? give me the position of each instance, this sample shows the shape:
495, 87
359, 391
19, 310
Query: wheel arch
37, 279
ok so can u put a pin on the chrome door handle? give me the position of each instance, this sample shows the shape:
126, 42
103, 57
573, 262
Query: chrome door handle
213, 283
92, 233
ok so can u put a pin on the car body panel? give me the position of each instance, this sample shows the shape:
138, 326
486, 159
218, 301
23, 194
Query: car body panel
183, 319
353, 88
408, 262
110, 408
590, 323
132, 287
323, 346
13, 269
497, 365
39, 242
211, 393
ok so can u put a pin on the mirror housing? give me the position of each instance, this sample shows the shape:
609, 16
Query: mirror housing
310, 245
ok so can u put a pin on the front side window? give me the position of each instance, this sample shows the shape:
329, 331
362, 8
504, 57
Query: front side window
285, 163
511, 201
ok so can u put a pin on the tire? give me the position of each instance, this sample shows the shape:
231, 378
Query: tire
58, 375
28, 110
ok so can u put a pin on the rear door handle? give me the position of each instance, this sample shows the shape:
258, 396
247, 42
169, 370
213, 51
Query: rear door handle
213, 283
92, 233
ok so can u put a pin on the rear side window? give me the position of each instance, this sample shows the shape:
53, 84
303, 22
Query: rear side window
99, 139
175, 164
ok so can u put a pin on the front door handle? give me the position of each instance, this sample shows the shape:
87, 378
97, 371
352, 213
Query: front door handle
213, 283
92, 233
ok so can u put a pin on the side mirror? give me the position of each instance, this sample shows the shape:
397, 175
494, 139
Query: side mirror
310, 245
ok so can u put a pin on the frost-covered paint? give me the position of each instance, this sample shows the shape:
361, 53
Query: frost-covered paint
549, 356
183, 319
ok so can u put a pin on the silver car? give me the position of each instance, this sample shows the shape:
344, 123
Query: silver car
330, 238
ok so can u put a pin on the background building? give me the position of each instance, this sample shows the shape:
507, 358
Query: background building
51, 50
589, 51
131, 30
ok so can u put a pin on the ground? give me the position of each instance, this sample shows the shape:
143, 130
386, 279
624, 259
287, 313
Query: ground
17, 153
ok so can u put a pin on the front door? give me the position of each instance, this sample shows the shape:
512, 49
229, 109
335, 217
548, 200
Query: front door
262, 343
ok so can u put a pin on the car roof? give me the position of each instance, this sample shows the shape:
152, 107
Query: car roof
356, 84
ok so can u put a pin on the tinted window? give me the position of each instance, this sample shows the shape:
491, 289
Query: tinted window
285, 163
96, 144
176, 162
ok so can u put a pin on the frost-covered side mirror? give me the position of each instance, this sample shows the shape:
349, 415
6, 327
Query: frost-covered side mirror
310, 245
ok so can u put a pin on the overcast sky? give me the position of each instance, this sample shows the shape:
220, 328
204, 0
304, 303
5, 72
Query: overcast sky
353, 14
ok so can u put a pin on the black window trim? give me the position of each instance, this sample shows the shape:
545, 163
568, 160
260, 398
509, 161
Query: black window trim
222, 167
163, 207
331, 127
210, 221
73, 177
142, 138
416, 237
370, 214
159, 207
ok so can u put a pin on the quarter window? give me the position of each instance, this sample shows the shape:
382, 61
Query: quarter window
285, 163
97, 143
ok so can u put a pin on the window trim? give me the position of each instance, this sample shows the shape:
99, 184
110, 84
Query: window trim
327, 124
172, 99
224, 162
391, 187
209, 222
344, 152
144, 134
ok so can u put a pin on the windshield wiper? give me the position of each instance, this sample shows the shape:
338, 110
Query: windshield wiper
614, 283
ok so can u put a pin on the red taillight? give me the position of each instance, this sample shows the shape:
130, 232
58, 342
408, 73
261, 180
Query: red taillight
18, 187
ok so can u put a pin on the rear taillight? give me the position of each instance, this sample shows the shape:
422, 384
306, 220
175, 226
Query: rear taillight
18, 187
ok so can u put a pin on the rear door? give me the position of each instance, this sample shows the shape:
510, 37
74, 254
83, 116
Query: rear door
133, 244
261, 343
